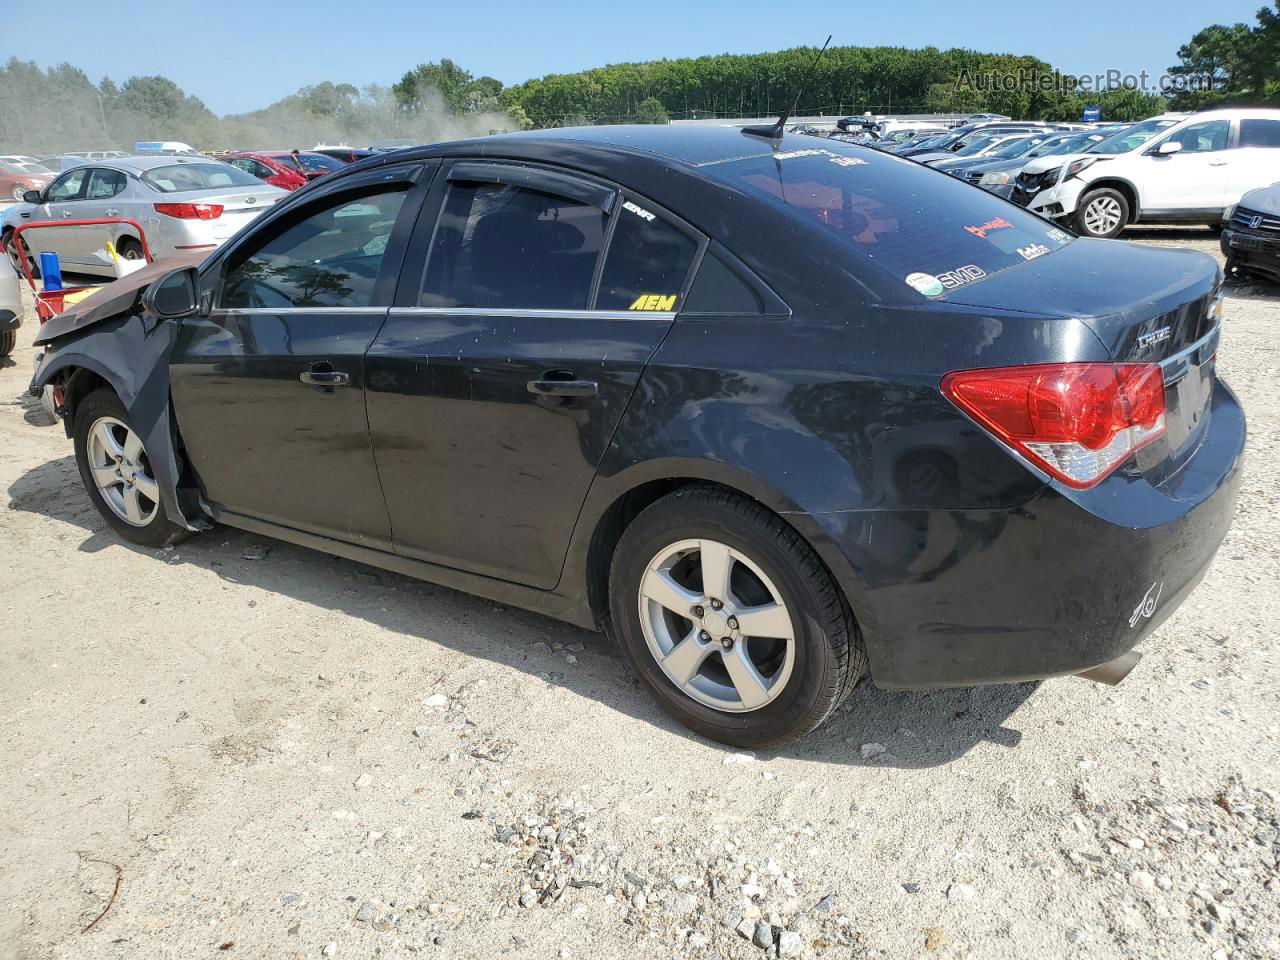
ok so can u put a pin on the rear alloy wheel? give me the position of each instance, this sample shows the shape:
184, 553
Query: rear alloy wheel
1102, 213
117, 472
730, 619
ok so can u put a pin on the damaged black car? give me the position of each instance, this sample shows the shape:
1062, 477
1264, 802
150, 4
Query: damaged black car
775, 415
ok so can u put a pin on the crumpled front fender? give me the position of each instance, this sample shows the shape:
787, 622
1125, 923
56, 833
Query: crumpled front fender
132, 355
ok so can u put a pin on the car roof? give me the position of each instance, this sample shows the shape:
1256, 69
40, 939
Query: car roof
143, 163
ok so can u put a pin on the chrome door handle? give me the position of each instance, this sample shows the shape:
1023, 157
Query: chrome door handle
325, 378
66, 214
113, 212
1217, 163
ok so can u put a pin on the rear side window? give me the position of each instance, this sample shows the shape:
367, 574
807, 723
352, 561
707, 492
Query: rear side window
104, 184
499, 246
717, 289
330, 259
925, 229
1260, 133
647, 263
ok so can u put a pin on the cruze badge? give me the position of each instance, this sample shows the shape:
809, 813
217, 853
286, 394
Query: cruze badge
1147, 607
1155, 336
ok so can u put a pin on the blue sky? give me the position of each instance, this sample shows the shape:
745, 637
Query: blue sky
239, 55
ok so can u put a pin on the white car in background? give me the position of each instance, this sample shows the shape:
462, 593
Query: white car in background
1175, 168
183, 204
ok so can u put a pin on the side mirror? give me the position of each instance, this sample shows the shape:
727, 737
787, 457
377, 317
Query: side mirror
173, 295
31, 196
1168, 148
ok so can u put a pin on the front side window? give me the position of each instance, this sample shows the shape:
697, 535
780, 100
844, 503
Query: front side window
647, 262
1260, 133
68, 186
197, 176
105, 184
1202, 137
499, 246
330, 259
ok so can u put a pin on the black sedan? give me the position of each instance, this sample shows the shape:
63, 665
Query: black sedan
773, 413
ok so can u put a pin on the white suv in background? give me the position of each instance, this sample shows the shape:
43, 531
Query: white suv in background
1176, 168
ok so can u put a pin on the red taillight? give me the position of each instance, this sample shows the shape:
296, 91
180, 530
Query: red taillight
1076, 421
190, 211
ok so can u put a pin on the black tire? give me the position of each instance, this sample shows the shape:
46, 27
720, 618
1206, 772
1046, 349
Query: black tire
1104, 198
8, 340
129, 249
11, 250
829, 657
159, 530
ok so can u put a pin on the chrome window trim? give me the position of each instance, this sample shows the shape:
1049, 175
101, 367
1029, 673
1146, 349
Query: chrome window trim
275, 311
535, 314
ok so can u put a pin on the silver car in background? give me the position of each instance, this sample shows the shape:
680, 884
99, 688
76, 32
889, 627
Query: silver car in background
183, 204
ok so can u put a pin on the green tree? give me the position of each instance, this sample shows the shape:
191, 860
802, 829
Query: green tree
651, 110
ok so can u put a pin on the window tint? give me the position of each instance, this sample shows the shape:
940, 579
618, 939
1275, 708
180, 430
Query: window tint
1260, 133
717, 289
197, 176
648, 257
330, 259
68, 187
1202, 137
500, 246
104, 184
931, 233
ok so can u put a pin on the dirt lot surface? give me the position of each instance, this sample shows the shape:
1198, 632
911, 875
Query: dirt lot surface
240, 748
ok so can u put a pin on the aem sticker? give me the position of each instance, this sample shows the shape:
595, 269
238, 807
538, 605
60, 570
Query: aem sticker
653, 301
807, 152
639, 212
996, 223
961, 275
1032, 250
925, 283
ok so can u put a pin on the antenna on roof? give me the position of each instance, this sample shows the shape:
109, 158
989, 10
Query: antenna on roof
774, 131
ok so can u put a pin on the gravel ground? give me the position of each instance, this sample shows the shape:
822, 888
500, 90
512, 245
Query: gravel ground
238, 747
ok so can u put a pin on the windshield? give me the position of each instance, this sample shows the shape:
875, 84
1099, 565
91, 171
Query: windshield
976, 146
198, 176
1014, 148
1133, 137
932, 233
316, 162
932, 142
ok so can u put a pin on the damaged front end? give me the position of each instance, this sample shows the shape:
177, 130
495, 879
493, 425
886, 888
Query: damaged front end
108, 339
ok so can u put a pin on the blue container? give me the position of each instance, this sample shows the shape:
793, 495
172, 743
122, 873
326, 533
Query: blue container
50, 270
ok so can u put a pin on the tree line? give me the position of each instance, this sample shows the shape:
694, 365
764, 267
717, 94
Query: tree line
45, 111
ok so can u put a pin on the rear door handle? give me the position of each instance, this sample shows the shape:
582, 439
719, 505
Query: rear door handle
66, 214
322, 374
1217, 163
556, 387
112, 212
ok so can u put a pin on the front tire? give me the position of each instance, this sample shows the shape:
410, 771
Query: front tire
1102, 213
730, 619
117, 472
8, 340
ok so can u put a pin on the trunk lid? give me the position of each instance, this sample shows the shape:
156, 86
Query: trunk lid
1146, 305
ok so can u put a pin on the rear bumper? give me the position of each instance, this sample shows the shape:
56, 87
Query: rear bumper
1065, 582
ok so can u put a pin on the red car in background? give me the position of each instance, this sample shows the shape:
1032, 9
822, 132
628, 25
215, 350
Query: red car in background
17, 178
286, 169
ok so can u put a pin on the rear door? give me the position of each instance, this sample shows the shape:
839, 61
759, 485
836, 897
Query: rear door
499, 378
269, 388
1193, 179
100, 200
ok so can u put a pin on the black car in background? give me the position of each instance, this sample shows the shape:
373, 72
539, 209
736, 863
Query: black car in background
773, 413
1251, 234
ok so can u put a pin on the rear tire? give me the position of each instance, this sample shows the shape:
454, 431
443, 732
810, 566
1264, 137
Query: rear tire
705, 664
117, 473
8, 340
1102, 213
129, 249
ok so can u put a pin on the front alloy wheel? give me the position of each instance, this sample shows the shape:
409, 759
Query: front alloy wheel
1102, 213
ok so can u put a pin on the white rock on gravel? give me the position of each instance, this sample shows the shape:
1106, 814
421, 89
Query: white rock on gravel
961, 892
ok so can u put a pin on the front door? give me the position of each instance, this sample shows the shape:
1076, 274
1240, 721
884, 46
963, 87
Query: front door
62, 201
268, 390
496, 385
1193, 179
